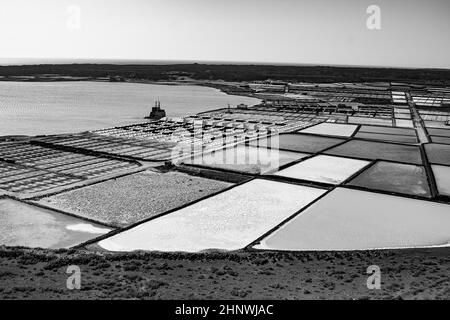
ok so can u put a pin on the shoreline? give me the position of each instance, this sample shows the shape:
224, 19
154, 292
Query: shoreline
121, 119
204, 83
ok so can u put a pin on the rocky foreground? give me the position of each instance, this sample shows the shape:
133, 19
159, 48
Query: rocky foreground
405, 274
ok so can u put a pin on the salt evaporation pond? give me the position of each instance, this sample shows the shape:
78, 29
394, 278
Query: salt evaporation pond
438, 153
321, 168
435, 124
378, 150
247, 159
357, 220
298, 142
29, 226
404, 123
388, 130
439, 132
442, 177
394, 177
444, 140
370, 121
386, 137
331, 129
228, 221
132, 198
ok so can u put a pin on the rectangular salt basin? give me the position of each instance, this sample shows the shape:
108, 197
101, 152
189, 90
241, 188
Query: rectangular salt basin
298, 142
402, 116
29, 226
135, 197
404, 123
444, 140
435, 124
247, 159
442, 178
358, 220
438, 153
378, 150
386, 137
394, 177
331, 129
402, 110
369, 121
326, 169
388, 130
228, 221
439, 132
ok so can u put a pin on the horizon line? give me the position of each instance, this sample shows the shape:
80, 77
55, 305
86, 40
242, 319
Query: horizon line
120, 61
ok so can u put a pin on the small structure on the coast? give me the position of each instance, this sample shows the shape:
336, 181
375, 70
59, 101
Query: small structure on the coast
116, 78
156, 113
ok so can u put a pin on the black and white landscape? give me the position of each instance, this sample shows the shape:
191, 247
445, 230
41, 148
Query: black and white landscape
205, 150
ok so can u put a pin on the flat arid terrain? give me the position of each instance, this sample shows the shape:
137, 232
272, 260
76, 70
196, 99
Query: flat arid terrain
405, 274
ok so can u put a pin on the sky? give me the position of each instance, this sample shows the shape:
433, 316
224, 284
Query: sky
412, 33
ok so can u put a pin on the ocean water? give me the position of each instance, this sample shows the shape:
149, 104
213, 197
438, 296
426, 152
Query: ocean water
36, 108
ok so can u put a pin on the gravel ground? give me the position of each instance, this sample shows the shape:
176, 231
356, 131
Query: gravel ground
405, 274
135, 197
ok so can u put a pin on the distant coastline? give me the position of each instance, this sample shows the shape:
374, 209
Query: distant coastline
36, 108
225, 87
62, 61
212, 72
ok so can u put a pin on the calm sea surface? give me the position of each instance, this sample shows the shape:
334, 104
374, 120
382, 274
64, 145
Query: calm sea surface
33, 108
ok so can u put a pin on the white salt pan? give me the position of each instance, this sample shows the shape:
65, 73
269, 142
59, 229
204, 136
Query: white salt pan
404, 123
442, 177
321, 168
25, 225
247, 158
228, 221
331, 129
355, 220
86, 227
